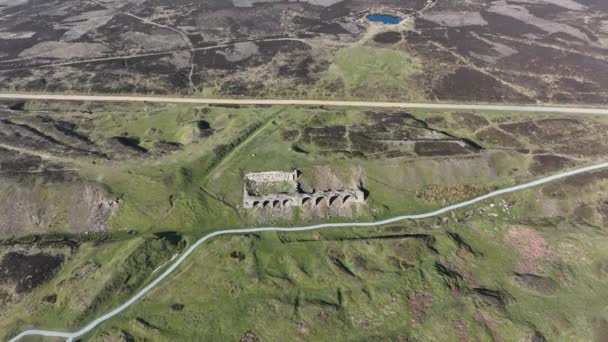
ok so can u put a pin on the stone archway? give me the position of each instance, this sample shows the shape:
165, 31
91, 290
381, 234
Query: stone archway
319, 200
334, 199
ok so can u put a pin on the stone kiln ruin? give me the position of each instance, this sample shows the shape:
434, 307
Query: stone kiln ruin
276, 189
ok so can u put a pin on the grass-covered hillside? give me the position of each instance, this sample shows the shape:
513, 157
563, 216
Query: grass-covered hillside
127, 188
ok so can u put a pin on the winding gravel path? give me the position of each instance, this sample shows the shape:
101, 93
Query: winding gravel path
71, 335
404, 105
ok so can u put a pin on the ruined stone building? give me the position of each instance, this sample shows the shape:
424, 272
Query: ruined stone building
276, 189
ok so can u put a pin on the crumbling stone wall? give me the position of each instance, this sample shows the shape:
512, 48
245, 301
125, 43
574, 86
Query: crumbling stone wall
332, 198
273, 176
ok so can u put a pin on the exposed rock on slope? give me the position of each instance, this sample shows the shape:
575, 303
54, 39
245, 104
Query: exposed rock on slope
39, 203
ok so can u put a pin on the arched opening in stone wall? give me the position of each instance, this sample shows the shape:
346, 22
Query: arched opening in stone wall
333, 199
266, 204
286, 202
256, 204
306, 200
319, 200
276, 203
347, 198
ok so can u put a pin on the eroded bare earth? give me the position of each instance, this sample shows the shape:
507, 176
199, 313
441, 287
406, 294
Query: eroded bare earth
41, 186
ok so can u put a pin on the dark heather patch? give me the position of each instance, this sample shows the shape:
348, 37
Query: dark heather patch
249, 337
126, 337
329, 28
17, 105
361, 142
177, 307
498, 137
146, 325
290, 135
542, 130
296, 67
167, 146
537, 337
546, 163
203, 125
451, 278
465, 83
225, 105
20, 163
387, 37
51, 299
535, 282
435, 120
586, 178
298, 149
205, 133
329, 137
240, 256
132, 144
564, 135
600, 330
221, 150
492, 297
463, 244
23, 135
28, 271
441, 148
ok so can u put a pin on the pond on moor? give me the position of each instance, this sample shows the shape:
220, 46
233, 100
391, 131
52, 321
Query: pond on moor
384, 19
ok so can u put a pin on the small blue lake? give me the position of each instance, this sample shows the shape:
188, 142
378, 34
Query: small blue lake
384, 19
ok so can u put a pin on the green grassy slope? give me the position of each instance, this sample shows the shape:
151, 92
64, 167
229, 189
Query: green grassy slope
525, 264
